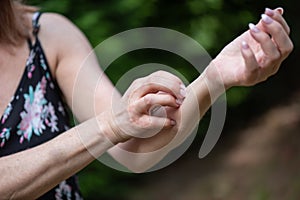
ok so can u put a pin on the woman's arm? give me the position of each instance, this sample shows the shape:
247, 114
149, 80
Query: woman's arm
30, 173
249, 59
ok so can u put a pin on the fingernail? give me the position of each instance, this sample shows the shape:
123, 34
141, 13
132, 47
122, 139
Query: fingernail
161, 92
179, 101
269, 11
254, 28
280, 10
173, 122
245, 45
266, 19
182, 86
183, 92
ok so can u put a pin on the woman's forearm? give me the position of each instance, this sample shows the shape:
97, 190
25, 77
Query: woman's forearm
139, 155
30, 173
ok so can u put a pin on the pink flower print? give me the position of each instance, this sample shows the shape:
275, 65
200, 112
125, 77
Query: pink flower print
32, 121
4, 136
37, 119
25, 127
51, 118
30, 70
37, 114
43, 84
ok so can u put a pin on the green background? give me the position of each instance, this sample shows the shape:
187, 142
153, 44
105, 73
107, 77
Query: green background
213, 23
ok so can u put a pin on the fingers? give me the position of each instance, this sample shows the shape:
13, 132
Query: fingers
273, 46
252, 67
159, 81
272, 34
150, 102
279, 31
146, 101
269, 48
276, 14
154, 125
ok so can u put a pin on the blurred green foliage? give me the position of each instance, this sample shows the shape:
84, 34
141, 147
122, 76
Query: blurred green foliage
213, 23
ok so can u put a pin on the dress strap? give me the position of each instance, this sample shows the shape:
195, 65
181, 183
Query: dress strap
36, 28
35, 23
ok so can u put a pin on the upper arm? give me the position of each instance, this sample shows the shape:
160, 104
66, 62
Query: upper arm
76, 68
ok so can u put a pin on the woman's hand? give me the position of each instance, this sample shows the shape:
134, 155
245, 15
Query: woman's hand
133, 116
256, 54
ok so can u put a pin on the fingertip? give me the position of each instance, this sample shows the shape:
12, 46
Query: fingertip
183, 92
172, 122
179, 102
169, 123
246, 50
280, 10
245, 45
265, 18
253, 28
147, 100
269, 11
249, 57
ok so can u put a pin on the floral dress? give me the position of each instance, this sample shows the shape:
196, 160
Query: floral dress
36, 114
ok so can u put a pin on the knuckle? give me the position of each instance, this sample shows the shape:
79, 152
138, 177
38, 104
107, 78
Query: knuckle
288, 30
161, 72
289, 48
145, 122
275, 56
148, 99
137, 81
165, 74
150, 79
278, 29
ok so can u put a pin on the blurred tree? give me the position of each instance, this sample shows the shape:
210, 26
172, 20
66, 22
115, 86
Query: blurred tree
213, 23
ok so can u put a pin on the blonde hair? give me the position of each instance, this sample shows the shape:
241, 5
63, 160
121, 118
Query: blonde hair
14, 24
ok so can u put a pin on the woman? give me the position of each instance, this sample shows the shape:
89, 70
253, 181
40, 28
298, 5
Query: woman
40, 147
34, 110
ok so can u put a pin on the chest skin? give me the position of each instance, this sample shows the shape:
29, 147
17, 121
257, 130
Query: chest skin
12, 66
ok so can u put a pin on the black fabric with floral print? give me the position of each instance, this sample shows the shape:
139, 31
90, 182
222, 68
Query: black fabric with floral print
36, 114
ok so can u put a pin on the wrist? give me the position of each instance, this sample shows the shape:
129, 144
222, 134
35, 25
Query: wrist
219, 75
214, 80
110, 128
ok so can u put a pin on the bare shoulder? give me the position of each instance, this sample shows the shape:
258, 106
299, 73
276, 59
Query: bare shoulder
54, 23
59, 28
60, 37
